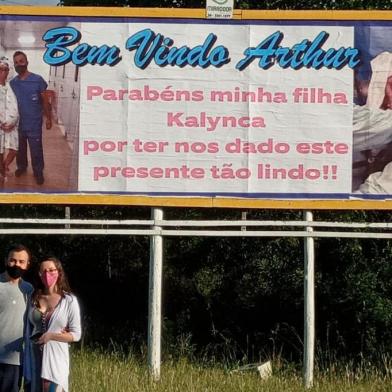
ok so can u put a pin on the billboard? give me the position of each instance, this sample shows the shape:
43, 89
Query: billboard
277, 109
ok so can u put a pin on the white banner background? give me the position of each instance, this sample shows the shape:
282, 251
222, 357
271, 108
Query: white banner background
137, 126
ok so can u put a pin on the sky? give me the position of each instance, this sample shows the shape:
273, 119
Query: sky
29, 2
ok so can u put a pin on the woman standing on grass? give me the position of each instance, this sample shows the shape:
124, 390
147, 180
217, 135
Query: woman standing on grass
53, 322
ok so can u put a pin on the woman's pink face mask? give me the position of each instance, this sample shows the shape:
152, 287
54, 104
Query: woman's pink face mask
49, 278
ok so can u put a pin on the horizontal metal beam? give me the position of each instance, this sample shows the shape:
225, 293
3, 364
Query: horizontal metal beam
196, 233
195, 223
62, 221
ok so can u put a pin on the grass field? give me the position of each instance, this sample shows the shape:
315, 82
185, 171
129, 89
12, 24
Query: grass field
97, 371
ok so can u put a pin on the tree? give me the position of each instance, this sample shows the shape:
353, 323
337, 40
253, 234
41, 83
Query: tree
243, 4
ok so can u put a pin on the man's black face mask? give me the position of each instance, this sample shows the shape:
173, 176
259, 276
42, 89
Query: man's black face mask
15, 272
20, 68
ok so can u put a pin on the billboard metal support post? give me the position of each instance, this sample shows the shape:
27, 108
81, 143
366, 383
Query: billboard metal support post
67, 214
309, 307
155, 298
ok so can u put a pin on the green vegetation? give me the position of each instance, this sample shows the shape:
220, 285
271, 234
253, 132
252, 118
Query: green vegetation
240, 4
113, 372
236, 299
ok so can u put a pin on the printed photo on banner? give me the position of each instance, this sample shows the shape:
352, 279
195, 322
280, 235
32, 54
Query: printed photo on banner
372, 133
40, 150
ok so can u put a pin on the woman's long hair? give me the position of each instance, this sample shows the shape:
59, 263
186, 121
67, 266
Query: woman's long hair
62, 285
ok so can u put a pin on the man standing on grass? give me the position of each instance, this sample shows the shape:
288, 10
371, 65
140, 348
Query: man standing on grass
14, 292
32, 104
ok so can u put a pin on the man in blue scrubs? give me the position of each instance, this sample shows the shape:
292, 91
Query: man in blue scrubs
32, 104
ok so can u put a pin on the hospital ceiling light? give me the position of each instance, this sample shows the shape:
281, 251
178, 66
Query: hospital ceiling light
26, 39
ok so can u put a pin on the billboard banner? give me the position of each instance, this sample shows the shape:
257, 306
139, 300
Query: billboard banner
261, 109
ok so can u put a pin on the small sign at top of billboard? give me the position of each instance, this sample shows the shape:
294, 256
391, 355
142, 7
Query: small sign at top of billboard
219, 9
